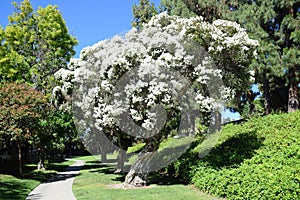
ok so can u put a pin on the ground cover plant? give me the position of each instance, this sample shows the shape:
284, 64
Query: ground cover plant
259, 159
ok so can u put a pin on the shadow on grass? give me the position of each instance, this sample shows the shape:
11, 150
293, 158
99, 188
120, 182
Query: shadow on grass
39, 175
157, 178
30, 171
165, 179
13, 188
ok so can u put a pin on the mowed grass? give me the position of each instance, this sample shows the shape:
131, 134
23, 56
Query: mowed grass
97, 181
13, 188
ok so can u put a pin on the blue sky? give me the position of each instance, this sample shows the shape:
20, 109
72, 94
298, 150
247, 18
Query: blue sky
88, 20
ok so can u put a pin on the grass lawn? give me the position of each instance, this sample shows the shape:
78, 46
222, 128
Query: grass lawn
96, 179
14, 188
17, 189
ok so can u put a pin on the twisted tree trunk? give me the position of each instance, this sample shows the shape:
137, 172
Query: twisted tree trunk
139, 171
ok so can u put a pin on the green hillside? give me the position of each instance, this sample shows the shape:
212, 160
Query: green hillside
259, 159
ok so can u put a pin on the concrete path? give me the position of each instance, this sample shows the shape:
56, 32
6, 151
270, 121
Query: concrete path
58, 187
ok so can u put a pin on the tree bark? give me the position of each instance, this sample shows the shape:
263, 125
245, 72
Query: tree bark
267, 104
293, 102
20, 171
193, 6
41, 159
139, 171
123, 144
104, 148
121, 160
103, 156
218, 120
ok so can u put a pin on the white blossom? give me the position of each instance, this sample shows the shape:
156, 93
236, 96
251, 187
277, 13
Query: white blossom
152, 55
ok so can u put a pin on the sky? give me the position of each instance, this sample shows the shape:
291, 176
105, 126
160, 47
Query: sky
88, 20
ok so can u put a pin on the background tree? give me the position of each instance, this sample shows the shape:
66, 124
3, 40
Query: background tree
210, 10
33, 46
276, 25
39, 42
143, 12
176, 7
22, 108
57, 136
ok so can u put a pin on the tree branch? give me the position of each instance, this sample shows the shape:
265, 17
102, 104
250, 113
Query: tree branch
193, 6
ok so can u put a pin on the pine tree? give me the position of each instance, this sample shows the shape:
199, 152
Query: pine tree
143, 12
176, 7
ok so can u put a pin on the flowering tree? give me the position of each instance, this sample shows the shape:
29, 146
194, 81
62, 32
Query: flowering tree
21, 109
152, 81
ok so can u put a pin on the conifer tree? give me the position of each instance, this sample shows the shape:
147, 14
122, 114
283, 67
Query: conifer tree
143, 12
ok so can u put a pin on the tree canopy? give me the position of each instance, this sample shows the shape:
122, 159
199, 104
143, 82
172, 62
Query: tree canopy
22, 108
121, 85
143, 12
275, 24
34, 45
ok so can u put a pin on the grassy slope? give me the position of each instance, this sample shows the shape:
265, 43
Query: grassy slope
259, 159
95, 179
15, 188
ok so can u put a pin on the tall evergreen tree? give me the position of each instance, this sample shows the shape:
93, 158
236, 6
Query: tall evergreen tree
176, 7
143, 12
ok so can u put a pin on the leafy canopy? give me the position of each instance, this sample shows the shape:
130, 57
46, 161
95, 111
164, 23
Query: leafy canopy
35, 45
21, 109
147, 52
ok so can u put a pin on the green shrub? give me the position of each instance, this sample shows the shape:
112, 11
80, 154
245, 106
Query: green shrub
259, 159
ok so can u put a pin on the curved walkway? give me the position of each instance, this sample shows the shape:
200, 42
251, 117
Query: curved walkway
58, 187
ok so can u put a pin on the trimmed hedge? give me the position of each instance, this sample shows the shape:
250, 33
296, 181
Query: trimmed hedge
259, 159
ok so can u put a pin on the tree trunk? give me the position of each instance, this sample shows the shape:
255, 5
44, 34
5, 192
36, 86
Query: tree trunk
138, 174
218, 120
293, 102
121, 160
267, 97
20, 160
41, 160
103, 155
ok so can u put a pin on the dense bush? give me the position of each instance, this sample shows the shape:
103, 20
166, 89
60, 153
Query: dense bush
259, 159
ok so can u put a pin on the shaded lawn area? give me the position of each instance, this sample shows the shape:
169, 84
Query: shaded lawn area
15, 188
97, 181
